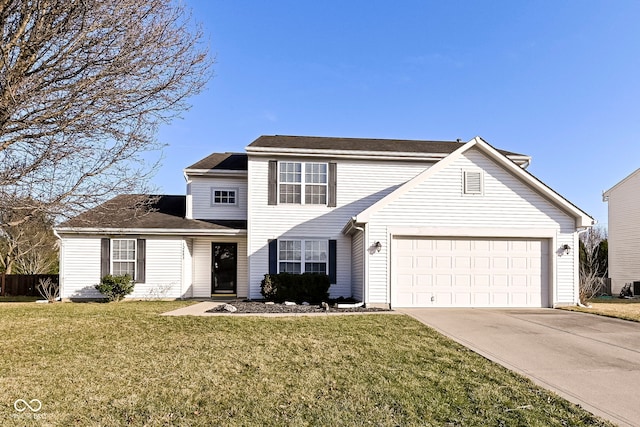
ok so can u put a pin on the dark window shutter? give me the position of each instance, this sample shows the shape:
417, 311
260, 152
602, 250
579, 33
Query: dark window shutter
273, 256
333, 180
273, 182
105, 257
332, 262
141, 261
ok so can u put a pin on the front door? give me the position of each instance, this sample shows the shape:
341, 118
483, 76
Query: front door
224, 268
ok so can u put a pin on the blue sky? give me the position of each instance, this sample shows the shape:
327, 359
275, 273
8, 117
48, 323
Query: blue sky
557, 80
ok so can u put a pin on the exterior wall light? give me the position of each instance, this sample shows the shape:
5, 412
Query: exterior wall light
566, 248
378, 246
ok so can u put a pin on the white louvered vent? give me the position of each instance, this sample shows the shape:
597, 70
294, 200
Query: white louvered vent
472, 182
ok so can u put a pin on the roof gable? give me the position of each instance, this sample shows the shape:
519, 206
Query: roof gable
629, 177
582, 219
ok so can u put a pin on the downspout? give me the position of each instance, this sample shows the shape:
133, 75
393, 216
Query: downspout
364, 263
584, 230
188, 214
60, 266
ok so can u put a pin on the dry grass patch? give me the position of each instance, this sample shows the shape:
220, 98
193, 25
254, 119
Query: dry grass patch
122, 364
628, 309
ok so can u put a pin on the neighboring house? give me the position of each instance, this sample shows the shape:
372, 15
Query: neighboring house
624, 231
392, 222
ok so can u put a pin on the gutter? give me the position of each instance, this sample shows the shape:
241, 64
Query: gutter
151, 231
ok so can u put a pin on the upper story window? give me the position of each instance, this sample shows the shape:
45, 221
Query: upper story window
123, 257
303, 183
224, 197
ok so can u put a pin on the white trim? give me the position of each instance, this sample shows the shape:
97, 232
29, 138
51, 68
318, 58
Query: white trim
236, 194
303, 183
521, 160
215, 172
548, 236
465, 181
302, 261
542, 233
135, 255
179, 232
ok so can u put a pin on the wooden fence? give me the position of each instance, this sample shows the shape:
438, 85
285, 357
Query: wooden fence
23, 284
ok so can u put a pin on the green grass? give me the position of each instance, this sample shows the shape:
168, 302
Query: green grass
627, 309
122, 364
18, 299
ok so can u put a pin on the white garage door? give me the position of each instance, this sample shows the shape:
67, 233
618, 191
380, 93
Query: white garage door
463, 272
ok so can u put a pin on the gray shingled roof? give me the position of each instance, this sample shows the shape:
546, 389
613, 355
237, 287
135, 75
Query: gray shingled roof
146, 211
222, 161
361, 144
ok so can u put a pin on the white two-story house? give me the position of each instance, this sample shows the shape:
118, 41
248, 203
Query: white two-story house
392, 222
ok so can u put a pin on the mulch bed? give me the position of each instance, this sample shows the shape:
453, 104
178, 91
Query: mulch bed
261, 307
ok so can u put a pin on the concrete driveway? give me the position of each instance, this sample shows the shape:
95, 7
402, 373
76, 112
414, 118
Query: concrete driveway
590, 360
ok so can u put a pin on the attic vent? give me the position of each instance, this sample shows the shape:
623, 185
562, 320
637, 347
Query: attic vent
472, 182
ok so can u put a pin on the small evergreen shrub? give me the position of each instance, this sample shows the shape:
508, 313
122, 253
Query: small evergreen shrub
307, 287
115, 288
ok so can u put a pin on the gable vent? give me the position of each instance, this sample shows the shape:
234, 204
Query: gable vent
472, 182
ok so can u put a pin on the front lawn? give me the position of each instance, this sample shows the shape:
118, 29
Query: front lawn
122, 364
628, 309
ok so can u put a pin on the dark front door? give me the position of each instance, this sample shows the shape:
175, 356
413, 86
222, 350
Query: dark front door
224, 268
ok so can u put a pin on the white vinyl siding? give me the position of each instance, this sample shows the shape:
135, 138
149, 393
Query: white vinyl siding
360, 183
624, 232
81, 267
203, 198
202, 266
508, 206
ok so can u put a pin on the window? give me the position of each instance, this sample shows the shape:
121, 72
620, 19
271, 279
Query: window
123, 257
303, 256
472, 182
308, 188
223, 197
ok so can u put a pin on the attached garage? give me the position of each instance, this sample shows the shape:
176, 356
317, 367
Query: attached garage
469, 272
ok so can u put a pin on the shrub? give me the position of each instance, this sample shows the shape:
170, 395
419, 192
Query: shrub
49, 289
308, 287
115, 288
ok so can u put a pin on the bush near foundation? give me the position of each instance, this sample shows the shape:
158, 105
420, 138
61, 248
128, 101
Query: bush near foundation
307, 287
115, 288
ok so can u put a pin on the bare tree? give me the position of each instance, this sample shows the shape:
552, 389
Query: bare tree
84, 85
27, 248
593, 262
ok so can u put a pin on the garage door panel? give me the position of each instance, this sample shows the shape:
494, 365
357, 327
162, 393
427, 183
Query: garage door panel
468, 272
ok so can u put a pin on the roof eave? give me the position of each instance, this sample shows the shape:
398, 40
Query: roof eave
521, 160
215, 172
151, 231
